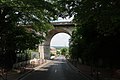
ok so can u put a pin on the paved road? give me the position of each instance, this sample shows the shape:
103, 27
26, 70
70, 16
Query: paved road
57, 69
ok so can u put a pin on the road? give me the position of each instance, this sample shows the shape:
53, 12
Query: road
57, 69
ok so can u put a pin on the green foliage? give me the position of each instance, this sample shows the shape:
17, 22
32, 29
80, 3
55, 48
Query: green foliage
96, 37
52, 54
58, 52
64, 51
23, 56
23, 24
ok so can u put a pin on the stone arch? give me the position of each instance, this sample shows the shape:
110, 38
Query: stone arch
48, 40
59, 27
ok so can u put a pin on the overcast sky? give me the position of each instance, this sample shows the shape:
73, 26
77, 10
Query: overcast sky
60, 39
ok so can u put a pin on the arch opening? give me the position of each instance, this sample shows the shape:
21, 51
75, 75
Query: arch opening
59, 44
60, 40
52, 34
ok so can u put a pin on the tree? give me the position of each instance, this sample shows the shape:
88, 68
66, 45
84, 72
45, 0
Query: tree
98, 24
23, 24
58, 52
64, 51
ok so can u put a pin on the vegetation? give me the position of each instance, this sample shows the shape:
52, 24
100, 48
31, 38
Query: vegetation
23, 24
96, 37
58, 52
51, 54
64, 51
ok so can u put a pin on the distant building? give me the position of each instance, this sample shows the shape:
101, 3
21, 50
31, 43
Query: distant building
53, 50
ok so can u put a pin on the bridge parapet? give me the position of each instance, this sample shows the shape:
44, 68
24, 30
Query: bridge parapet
62, 24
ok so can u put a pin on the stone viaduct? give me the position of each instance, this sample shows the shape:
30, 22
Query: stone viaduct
59, 27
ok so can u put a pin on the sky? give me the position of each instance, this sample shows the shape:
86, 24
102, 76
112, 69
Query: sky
60, 19
60, 39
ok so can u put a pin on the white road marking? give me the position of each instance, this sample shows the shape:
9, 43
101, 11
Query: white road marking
55, 70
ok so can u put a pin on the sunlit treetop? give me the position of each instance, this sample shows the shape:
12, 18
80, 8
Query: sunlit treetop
32, 12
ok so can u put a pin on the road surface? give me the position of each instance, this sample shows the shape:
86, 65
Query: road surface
57, 69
